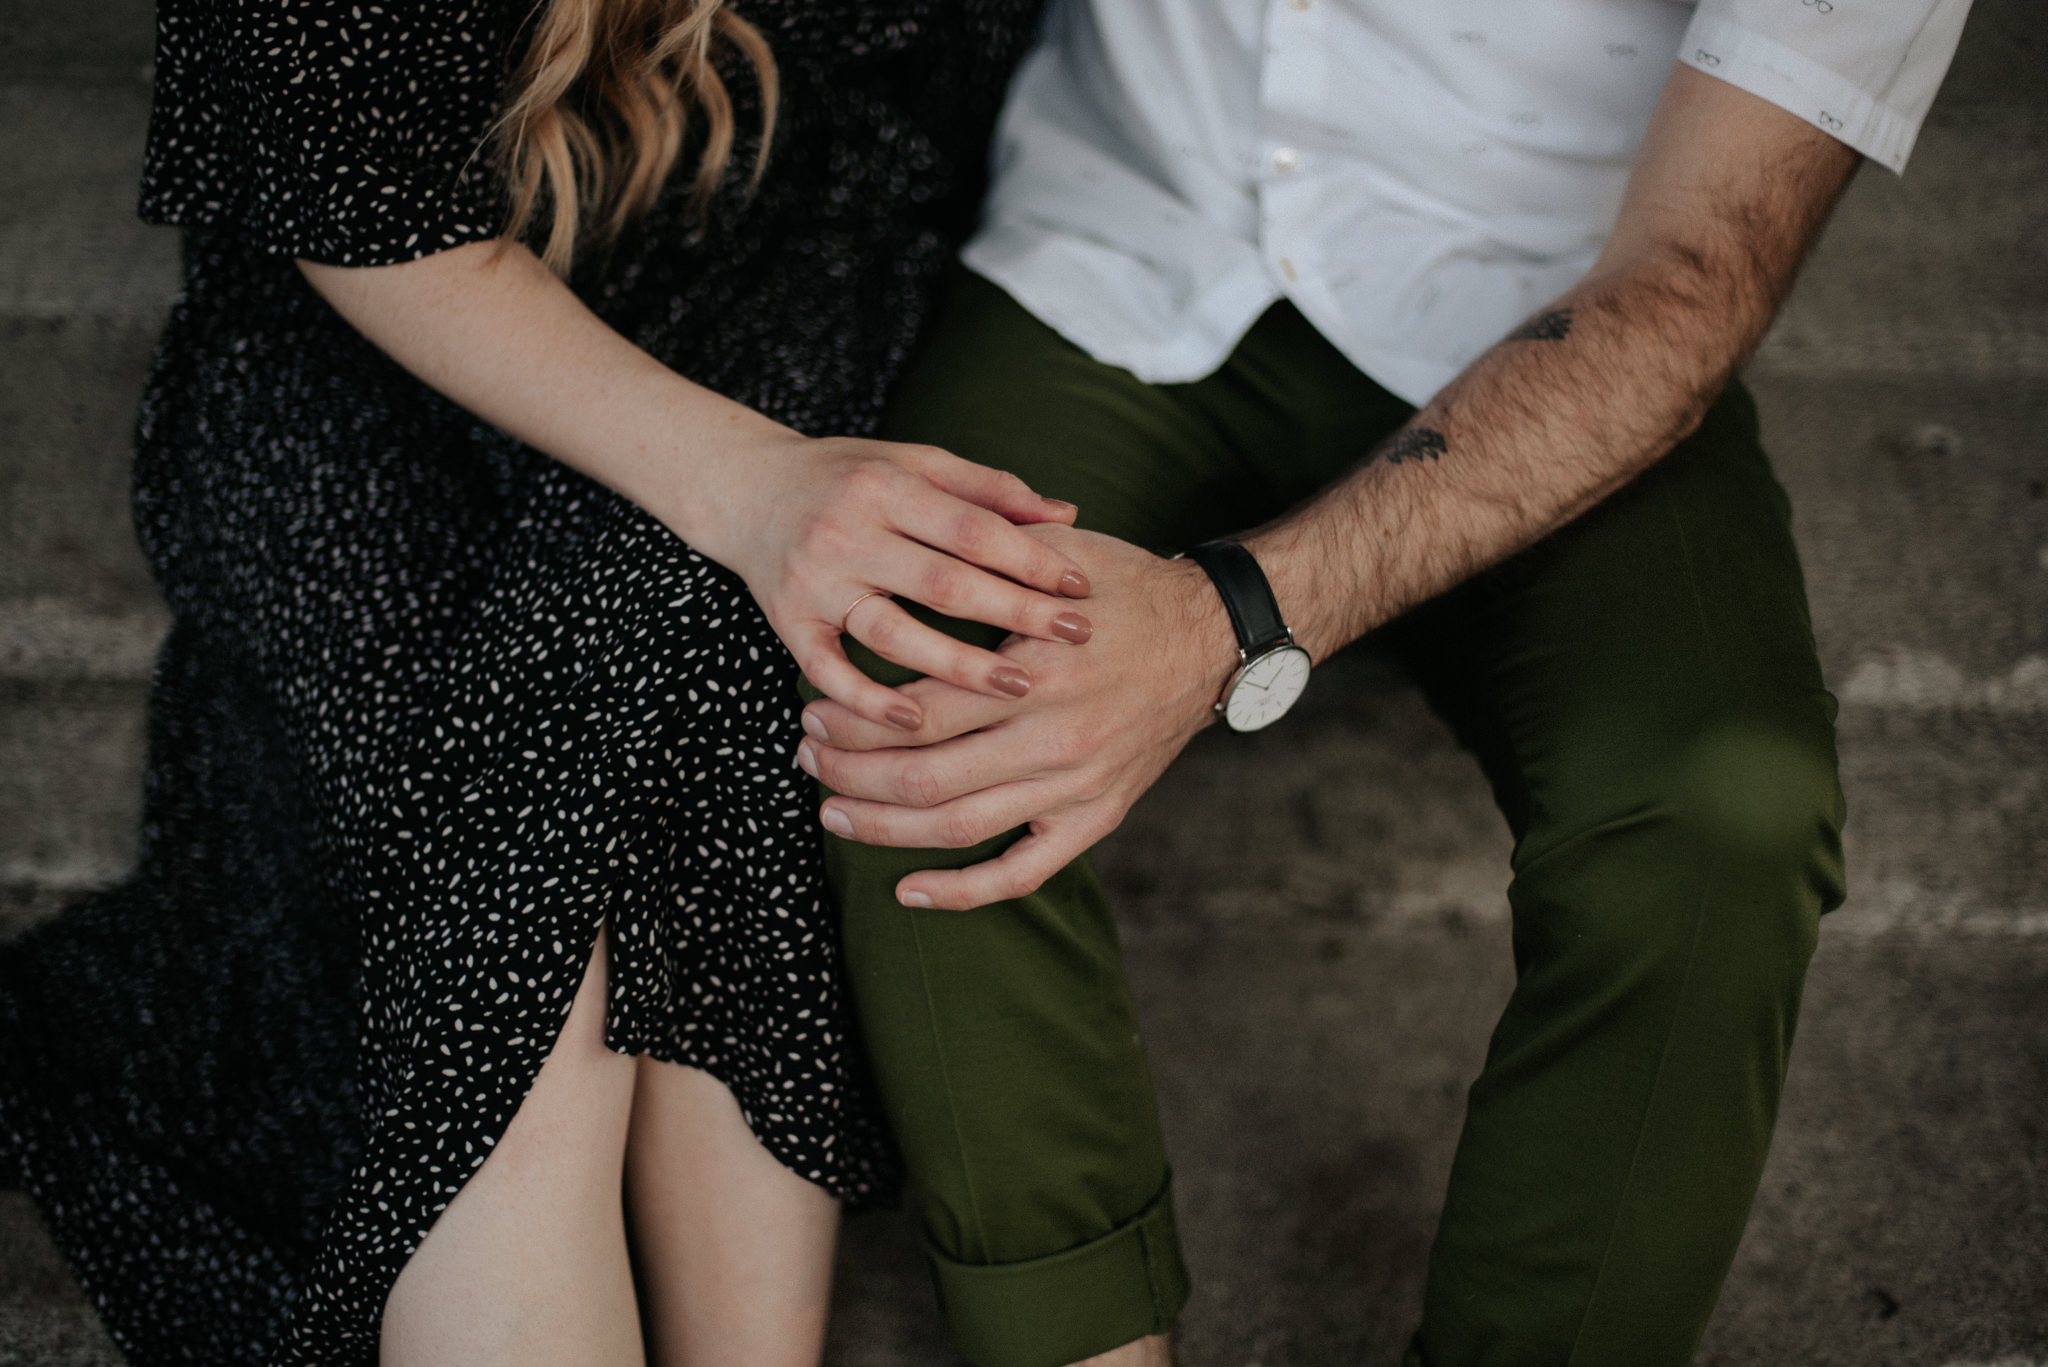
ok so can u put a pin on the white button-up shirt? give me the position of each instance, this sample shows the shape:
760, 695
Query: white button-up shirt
1415, 175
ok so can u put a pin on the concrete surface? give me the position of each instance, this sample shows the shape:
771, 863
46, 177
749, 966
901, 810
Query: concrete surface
1315, 920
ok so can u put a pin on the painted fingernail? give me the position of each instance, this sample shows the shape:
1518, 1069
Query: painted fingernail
914, 899
903, 719
1072, 626
1014, 682
836, 821
805, 760
815, 729
1075, 584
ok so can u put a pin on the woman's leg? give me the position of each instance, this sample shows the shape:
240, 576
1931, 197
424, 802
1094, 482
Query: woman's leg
734, 1250
528, 1264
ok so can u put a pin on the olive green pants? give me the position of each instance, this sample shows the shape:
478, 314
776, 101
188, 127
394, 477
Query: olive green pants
1643, 694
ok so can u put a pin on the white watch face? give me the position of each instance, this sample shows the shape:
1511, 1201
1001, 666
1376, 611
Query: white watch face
1266, 688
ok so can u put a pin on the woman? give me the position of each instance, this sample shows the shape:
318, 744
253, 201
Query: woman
475, 871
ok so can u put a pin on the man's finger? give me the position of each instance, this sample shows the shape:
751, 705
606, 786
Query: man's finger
919, 776
948, 711
824, 663
1018, 872
956, 825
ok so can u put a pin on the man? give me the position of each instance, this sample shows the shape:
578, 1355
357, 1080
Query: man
1434, 309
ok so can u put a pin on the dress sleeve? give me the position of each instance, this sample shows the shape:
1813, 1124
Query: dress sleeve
1864, 71
347, 132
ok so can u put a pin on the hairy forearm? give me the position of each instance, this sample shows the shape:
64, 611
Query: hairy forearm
1575, 402
1551, 420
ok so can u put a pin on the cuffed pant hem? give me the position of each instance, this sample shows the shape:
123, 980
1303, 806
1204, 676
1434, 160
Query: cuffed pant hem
1045, 1312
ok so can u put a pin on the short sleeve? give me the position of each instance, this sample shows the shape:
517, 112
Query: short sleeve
1864, 71
341, 131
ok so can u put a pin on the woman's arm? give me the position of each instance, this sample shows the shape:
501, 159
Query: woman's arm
810, 525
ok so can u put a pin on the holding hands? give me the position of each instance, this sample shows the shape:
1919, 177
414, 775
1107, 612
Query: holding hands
1099, 727
826, 532
847, 524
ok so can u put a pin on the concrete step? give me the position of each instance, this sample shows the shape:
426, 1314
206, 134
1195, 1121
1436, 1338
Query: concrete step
72, 693
1921, 507
70, 243
45, 1320
108, 42
1362, 810
1936, 272
67, 419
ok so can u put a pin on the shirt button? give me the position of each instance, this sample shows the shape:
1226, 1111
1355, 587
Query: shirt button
1286, 161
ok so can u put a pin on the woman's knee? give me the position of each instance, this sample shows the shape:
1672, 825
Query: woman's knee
528, 1262
571, 1125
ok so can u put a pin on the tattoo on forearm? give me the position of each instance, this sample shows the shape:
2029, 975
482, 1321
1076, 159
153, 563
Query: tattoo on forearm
1411, 443
1553, 326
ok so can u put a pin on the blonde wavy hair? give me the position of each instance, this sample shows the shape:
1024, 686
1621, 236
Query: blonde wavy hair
600, 108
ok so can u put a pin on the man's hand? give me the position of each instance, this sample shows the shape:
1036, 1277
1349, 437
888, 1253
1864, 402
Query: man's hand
1099, 727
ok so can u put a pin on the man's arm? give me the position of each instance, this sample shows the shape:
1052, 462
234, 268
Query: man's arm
1727, 195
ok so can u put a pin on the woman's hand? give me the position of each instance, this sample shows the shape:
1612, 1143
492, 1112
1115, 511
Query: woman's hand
829, 529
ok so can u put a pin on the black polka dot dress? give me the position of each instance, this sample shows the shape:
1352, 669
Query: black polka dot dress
435, 708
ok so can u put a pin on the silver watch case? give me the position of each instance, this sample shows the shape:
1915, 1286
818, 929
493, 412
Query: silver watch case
1264, 687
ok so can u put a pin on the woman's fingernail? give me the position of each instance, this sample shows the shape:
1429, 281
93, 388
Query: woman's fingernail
914, 899
1072, 626
1014, 682
903, 719
805, 760
1075, 584
815, 729
837, 822
1062, 503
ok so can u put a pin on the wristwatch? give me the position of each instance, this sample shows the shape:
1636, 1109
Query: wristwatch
1272, 670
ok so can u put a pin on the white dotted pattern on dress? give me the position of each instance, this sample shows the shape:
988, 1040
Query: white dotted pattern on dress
434, 707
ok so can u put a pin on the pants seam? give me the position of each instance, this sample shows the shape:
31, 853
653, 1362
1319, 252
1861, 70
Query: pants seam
1691, 955
924, 978
1642, 1123
1149, 1259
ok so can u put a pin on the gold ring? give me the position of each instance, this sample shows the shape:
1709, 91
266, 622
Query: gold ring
871, 593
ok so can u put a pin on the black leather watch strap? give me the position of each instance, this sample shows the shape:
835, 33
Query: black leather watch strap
1247, 597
